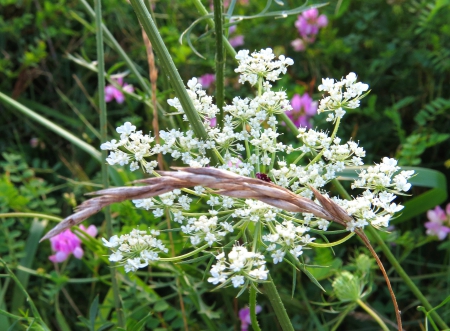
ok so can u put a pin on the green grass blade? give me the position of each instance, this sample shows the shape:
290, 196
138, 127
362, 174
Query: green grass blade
36, 231
51, 126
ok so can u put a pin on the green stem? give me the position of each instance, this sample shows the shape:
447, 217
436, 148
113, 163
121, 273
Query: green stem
220, 59
119, 50
277, 305
29, 300
103, 134
391, 258
373, 314
182, 257
405, 277
169, 69
198, 4
32, 215
255, 324
53, 127
311, 312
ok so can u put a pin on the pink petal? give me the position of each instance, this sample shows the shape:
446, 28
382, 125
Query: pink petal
298, 45
447, 209
128, 88
78, 252
310, 14
237, 41
436, 215
59, 257
118, 95
322, 21
119, 80
296, 103
109, 93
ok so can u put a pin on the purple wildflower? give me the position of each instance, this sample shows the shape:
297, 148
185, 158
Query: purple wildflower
244, 316
237, 41
309, 23
437, 218
303, 108
298, 45
207, 79
112, 92
67, 243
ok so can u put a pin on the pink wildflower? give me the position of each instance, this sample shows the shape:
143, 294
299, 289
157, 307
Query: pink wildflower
207, 79
244, 316
303, 108
237, 41
213, 122
309, 23
67, 243
437, 218
298, 45
112, 92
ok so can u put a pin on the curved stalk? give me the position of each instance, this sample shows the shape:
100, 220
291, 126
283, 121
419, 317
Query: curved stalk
373, 314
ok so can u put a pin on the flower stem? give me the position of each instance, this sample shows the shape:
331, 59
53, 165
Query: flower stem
253, 318
220, 59
373, 314
277, 305
169, 69
103, 133
198, 4
401, 272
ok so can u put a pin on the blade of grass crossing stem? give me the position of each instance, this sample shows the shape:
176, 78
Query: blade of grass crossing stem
36, 230
103, 134
169, 69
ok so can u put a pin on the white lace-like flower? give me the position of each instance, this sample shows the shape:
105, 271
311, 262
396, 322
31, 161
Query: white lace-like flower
136, 249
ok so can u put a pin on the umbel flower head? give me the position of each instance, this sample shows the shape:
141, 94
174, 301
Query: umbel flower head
254, 192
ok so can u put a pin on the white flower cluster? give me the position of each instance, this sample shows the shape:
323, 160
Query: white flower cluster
248, 144
202, 102
137, 147
379, 177
206, 229
174, 201
287, 237
338, 100
242, 266
136, 249
261, 65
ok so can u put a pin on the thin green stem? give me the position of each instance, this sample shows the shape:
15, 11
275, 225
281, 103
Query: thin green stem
32, 215
277, 305
311, 312
103, 134
198, 4
373, 314
255, 324
29, 300
182, 257
51, 126
169, 69
119, 50
405, 277
220, 59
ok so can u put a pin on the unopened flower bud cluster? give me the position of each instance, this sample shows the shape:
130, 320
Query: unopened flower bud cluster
249, 144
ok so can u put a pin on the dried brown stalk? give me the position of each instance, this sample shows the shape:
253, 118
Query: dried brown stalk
224, 183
